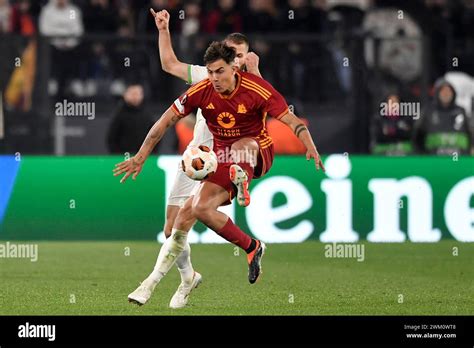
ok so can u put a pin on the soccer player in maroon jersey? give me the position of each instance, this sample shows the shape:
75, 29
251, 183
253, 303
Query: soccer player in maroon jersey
235, 105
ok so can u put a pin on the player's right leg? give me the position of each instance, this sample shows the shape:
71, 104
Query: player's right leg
207, 200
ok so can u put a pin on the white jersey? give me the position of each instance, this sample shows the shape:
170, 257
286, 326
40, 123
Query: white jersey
183, 187
201, 134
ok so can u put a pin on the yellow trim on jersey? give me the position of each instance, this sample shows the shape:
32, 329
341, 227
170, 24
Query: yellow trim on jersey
256, 85
197, 90
255, 90
264, 119
197, 85
176, 111
268, 141
282, 114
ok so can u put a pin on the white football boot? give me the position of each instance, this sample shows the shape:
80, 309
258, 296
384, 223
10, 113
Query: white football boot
143, 293
181, 296
240, 179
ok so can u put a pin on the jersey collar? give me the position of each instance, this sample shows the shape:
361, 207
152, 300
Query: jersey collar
223, 96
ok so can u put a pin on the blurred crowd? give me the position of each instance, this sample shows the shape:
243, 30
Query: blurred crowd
394, 65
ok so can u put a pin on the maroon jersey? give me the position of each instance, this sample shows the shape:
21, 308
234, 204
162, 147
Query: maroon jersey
238, 115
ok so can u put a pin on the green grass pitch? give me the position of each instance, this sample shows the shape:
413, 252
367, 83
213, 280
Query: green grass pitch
298, 280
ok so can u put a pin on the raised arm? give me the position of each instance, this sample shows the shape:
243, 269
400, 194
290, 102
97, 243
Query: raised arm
303, 134
134, 165
169, 61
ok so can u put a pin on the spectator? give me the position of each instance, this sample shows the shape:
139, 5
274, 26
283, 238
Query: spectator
18, 93
191, 24
443, 128
130, 124
224, 19
5, 16
398, 53
63, 19
126, 19
391, 133
22, 20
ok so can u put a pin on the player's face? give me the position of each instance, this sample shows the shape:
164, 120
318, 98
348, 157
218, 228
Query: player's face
221, 75
241, 52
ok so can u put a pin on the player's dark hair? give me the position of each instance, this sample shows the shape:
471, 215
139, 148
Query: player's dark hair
219, 50
238, 38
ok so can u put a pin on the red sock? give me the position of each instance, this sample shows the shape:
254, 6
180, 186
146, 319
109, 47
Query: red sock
235, 235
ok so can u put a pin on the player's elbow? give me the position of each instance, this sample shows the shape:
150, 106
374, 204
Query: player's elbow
166, 66
169, 66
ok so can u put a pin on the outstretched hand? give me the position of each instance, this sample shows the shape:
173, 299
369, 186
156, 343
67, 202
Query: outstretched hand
129, 167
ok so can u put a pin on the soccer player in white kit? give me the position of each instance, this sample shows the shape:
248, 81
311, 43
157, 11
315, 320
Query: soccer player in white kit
183, 186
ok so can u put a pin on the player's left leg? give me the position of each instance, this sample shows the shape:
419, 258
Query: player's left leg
183, 262
170, 250
190, 279
245, 153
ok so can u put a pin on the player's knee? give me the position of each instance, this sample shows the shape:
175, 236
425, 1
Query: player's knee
185, 219
186, 212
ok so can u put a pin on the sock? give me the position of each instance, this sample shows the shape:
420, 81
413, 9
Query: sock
235, 235
169, 252
252, 246
185, 267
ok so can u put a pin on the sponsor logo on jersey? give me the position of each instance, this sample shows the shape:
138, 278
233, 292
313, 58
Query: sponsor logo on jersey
210, 106
226, 120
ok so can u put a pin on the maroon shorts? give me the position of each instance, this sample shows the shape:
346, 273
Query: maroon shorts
221, 176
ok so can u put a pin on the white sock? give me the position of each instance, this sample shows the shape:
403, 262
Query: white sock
170, 250
185, 267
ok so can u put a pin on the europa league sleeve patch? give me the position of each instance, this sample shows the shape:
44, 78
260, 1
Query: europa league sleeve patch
179, 103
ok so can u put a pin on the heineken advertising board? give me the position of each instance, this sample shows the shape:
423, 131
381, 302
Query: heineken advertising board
379, 199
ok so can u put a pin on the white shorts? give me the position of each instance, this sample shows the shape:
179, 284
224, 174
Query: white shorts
183, 188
